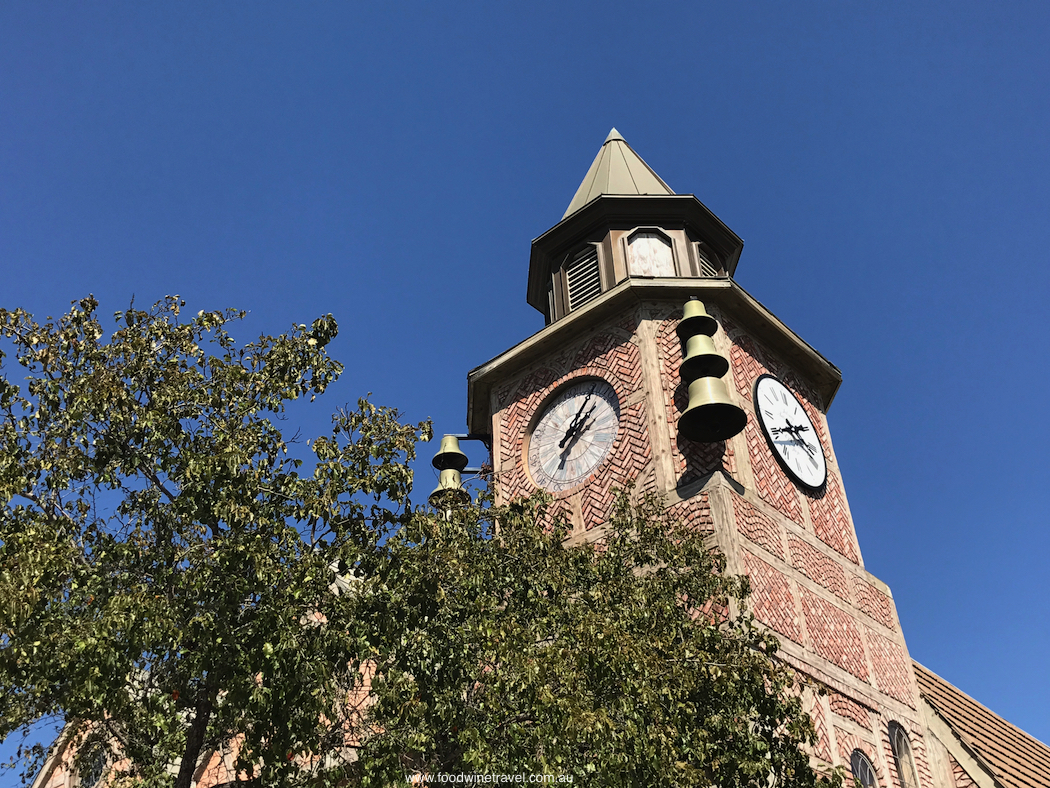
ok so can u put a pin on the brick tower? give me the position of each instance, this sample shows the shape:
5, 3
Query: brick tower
591, 403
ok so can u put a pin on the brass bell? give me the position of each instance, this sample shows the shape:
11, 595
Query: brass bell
701, 359
450, 460
449, 491
695, 320
711, 416
449, 455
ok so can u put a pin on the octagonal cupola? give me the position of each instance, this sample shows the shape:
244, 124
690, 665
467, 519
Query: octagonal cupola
625, 222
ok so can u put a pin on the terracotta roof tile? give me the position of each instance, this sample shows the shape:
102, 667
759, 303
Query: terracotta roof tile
1017, 759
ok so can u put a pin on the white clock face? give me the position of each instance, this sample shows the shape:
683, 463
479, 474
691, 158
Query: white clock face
574, 433
790, 433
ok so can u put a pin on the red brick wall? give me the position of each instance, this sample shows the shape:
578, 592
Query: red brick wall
850, 710
848, 742
757, 527
772, 598
873, 602
822, 749
827, 510
819, 568
834, 635
893, 671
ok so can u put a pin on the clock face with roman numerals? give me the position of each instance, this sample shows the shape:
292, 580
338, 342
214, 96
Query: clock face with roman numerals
573, 434
790, 433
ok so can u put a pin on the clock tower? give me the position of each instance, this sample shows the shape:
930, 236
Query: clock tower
645, 324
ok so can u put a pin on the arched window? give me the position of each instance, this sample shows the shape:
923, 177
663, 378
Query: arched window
902, 756
93, 767
862, 769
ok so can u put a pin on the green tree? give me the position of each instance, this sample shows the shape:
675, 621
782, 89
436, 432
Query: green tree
173, 582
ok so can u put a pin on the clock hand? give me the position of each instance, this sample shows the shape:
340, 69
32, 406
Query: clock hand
575, 424
577, 433
795, 433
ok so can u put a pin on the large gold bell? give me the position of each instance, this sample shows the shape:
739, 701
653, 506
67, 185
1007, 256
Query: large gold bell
449, 491
711, 416
695, 320
449, 455
701, 358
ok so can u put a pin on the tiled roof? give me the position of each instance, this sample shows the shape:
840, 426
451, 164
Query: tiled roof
1016, 759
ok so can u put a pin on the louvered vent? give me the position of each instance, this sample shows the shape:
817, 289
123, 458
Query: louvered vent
707, 268
583, 278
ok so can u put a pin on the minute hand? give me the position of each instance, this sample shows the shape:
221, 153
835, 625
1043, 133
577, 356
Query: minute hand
577, 422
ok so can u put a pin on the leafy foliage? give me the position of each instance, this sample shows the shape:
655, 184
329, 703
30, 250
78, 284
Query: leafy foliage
616, 664
173, 583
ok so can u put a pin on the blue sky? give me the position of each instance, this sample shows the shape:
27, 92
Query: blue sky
885, 164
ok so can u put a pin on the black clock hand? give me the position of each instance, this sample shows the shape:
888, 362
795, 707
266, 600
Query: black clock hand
575, 424
577, 433
795, 433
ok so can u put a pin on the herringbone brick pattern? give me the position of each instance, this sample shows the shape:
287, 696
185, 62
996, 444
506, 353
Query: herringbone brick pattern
850, 710
827, 510
892, 669
749, 360
772, 485
691, 460
772, 600
831, 523
631, 452
819, 568
873, 602
823, 746
834, 635
746, 363
757, 527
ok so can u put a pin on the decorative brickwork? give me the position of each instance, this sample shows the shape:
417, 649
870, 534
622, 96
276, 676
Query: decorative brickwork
772, 484
695, 511
873, 602
823, 746
834, 635
757, 527
831, 522
691, 460
819, 568
959, 775
850, 710
772, 599
746, 363
632, 453
922, 759
892, 669
749, 361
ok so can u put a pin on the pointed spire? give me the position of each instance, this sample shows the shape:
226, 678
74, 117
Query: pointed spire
617, 169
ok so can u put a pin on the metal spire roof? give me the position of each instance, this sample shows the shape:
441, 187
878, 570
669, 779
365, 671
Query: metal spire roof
617, 170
